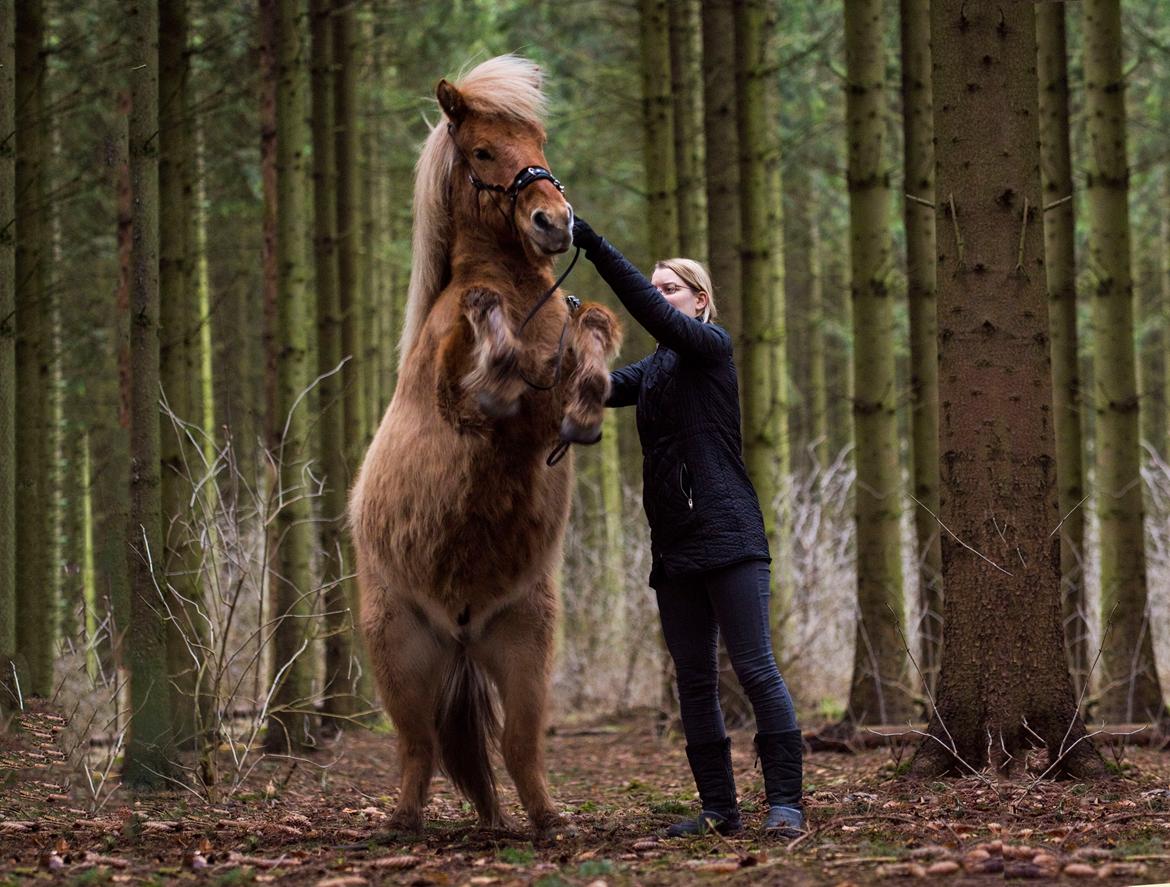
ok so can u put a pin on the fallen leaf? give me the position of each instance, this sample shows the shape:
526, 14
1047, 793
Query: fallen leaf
394, 862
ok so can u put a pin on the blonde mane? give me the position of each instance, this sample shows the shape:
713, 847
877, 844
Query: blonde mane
506, 85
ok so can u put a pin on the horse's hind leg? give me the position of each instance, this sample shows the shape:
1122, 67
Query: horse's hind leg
517, 652
596, 338
406, 655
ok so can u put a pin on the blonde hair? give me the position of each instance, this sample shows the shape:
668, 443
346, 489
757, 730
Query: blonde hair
506, 85
698, 278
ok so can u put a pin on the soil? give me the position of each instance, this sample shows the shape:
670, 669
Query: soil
322, 820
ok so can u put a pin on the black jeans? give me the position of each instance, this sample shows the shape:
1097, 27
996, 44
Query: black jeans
695, 610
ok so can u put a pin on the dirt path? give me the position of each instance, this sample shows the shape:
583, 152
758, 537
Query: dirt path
620, 783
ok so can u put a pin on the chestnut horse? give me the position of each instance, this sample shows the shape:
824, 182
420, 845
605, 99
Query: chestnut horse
457, 520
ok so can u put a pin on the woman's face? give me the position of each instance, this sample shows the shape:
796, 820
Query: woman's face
678, 293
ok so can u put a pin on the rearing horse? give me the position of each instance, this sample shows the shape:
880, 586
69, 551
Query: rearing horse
457, 520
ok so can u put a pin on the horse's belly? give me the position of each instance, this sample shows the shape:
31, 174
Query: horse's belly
455, 518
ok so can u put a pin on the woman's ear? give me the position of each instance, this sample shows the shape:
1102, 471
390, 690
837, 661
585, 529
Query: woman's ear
451, 101
701, 302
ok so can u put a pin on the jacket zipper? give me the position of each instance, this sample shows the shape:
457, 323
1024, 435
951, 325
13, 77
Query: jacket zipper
685, 491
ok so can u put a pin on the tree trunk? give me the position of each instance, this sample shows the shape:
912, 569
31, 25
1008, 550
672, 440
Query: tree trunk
348, 221
759, 225
721, 162
148, 756
34, 601
1004, 681
658, 130
290, 717
879, 690
1164, 293
1060, 268
338, 689
817, 392
179, 356
1130, 682
686, 73
918, 217
8, 699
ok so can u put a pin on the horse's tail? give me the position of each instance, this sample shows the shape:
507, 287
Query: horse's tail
468, 726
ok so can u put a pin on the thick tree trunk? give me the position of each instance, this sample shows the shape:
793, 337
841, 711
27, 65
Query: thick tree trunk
348, 221
817, 357
1130, 687
918, 217
686, 72
658, 130
338, 688
721, 163
8, 698
180, 372
880, 687
34, 449
1004, 681
290, 717
148, 756
1060, 268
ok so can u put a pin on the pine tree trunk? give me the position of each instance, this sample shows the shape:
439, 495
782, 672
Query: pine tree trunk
1151, 363
8, 701
1060, 268
348, 232
179, 370
658, 130
818, 391
34, 601
918, 216
758, 165
1164, 292
686, 72
290, 717
1004, 680
148, 756
721, 163
614, 549
338, 690
1127, 661
879, 690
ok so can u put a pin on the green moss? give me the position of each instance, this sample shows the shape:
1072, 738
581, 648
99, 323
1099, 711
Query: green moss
516, 855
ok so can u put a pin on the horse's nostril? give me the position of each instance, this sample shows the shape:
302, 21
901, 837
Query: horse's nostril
541, 220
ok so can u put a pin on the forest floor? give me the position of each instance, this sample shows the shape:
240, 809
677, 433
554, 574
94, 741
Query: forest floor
620, 782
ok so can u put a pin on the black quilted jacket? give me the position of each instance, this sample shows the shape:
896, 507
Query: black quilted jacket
702, 508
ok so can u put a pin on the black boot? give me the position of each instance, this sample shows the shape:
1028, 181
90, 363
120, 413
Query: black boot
780, 755
711, 765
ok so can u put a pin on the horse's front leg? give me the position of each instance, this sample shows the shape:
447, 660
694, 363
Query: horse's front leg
596, 338
481, 357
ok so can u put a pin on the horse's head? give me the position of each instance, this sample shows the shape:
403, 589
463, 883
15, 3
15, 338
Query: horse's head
503, 159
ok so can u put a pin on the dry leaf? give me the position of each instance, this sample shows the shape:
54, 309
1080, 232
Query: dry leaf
1080, 870
395, 862
342, 881
943, 867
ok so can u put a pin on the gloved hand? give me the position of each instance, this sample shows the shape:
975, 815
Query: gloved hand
584, 236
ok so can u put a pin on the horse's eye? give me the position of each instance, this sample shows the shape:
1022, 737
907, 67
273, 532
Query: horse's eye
482, 154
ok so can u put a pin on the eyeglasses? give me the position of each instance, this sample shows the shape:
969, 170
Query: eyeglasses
670, 289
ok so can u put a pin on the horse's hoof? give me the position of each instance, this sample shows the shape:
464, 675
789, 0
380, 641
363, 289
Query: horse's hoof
411, 823
496, 408
580, 434
552, 828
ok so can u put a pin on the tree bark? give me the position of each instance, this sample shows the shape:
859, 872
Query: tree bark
879, 689
686, 73
1004, 680
348, 230
1060, 268
721, 163
1130, 687
148, 756
658, 130
918, 217
8, 595
34, 450
290, 717
338, 689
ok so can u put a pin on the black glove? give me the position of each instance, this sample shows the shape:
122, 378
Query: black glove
584, 236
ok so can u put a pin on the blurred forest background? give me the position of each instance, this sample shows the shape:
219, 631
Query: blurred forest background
276, 361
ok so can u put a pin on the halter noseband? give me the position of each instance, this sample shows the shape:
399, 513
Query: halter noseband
527, 176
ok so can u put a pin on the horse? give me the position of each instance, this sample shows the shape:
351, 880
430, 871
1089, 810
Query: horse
458, 512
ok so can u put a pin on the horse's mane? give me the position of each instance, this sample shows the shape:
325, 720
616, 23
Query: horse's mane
507, 85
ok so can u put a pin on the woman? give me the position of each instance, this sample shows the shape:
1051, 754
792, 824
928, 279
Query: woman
710, 555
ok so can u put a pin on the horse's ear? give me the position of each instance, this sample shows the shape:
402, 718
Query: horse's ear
451, 101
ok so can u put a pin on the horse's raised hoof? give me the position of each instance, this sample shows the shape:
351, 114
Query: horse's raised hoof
551, 828
580, 434
496, 408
